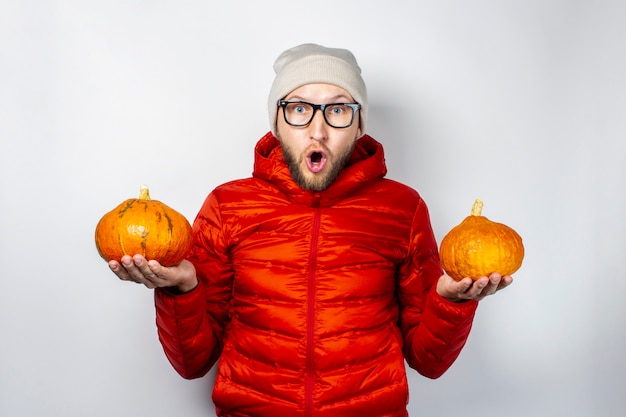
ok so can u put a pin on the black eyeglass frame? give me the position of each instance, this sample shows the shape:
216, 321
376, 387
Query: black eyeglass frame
354, 106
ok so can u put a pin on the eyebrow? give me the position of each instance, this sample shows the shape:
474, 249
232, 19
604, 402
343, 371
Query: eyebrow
339, 98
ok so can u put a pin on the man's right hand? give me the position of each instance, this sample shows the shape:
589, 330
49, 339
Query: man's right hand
180, 278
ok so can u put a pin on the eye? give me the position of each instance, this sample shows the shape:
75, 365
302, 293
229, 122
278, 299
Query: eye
337, 109
298, 108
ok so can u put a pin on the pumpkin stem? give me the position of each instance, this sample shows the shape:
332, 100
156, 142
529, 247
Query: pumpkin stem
478, 207
144, 192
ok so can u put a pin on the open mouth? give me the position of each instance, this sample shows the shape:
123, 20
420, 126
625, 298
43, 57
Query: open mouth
316, 157
316, 161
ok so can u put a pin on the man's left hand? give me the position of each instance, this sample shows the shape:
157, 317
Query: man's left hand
468, 289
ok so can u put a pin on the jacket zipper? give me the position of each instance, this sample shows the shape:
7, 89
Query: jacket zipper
311, 313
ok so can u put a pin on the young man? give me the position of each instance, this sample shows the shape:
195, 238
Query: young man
313, 280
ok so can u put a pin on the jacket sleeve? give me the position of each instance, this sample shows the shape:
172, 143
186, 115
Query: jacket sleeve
191, 325
434, 329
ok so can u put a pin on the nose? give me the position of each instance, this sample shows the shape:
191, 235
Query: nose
318, 129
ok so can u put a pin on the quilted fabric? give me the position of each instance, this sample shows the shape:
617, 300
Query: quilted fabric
312, 301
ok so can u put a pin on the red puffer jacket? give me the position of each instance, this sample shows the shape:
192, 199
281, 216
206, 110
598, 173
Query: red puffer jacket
312, 300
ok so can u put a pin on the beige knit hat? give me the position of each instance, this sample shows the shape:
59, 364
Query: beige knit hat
310, 63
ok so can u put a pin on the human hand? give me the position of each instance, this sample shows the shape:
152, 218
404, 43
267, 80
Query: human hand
467, 289
152, 274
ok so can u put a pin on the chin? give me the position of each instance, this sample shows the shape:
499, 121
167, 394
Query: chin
315, 182
312, 182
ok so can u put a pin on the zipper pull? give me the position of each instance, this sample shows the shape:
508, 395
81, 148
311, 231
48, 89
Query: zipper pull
317, 197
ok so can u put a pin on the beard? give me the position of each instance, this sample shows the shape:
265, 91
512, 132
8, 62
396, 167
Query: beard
316, 181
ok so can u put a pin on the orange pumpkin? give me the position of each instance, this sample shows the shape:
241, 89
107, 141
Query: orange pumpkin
146, 227
477, 247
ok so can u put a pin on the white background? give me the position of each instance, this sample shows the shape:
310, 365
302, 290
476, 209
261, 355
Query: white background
521, 103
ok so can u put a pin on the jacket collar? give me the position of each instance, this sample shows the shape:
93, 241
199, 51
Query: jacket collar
366, 164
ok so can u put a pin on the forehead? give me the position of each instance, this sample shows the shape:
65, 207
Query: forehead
319, 93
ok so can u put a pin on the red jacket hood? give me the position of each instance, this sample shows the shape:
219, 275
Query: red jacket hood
366, 164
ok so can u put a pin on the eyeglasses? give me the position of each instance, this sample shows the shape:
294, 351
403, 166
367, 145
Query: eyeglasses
300, 113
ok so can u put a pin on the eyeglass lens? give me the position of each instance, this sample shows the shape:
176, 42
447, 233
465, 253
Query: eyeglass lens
336, 115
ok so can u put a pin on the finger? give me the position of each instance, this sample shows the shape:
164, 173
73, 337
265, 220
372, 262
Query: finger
475, 292
127, 271
464, 285
163, 276
494, 276
505, 281
493, 284
157, 269
133, 271
119, 270
145, 276
500, 281
142, 265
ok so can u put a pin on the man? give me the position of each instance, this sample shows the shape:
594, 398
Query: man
313, 280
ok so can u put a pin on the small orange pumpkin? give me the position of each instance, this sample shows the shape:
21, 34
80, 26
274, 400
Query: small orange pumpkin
477, 247
146, 227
